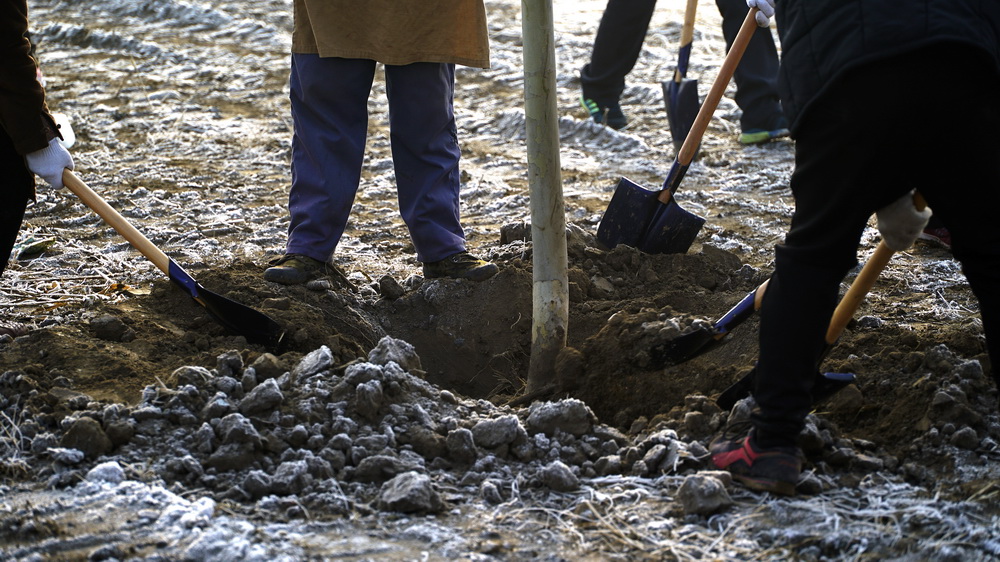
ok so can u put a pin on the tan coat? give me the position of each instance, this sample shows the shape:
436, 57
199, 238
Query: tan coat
394, 32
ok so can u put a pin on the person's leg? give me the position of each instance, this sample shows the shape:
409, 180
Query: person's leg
425, 157
16, 194
329, 98
756, 77
616, 48
961, 180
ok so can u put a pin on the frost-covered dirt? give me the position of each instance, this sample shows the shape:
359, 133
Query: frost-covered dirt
393, 426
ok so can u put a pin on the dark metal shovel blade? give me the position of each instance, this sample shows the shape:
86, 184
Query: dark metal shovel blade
682, 108
630, 210
825, 386
671, 231
636, 217
255, 326
695, 343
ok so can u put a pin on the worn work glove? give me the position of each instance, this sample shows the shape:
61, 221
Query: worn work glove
49, 163
900, 222
765, 11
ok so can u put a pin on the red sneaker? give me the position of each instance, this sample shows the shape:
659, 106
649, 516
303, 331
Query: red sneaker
768, 470
938, 236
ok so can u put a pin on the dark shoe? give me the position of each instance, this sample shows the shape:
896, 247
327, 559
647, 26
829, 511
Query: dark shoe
767, 470
294, 269
610, 113
462, 265
777, 129
937, 236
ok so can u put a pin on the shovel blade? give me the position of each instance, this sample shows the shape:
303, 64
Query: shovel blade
635, 217
682, 108
239, 319
624, 222
671, 231
681, 348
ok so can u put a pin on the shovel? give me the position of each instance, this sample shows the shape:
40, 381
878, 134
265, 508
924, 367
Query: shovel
695, 343
237, 318
681, 94
652, 221
826, 384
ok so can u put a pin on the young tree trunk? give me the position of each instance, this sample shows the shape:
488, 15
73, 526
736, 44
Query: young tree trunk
550, 294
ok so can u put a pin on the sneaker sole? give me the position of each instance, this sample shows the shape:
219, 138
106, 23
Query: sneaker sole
763, 136
764, 485
481, 273
283, 278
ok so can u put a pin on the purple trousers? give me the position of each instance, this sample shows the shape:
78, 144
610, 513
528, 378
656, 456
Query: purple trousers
329, 98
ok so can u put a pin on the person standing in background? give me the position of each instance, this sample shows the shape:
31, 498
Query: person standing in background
619, 40
336, 45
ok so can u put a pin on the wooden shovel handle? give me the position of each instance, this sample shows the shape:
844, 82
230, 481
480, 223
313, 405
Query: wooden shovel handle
693, 139
863, 283
687, 30
91, 199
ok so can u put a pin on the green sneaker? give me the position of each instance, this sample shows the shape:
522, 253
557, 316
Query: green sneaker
294, 269
611, 113
777, 129
462, 265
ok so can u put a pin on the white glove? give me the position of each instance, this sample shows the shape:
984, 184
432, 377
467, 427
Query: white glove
765, 11
49, 162
900, 222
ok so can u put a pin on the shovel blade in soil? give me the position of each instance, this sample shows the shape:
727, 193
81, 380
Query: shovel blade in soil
690, 345
825, 386
239, 319
636, 217
681, 348
682, 107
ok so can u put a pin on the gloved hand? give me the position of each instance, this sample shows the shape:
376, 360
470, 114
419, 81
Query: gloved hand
49, 163
765, 11
900, 222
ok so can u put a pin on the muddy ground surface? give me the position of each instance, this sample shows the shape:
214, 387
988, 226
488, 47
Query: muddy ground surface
182, 123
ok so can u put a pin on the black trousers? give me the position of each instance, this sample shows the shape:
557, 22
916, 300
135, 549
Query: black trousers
17, 189
619, 40
880, 131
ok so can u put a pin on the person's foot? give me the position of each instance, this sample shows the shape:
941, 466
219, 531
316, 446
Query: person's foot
609, 113
294, 269
938, 236
462, 265
768, 470
777, 129
13, 329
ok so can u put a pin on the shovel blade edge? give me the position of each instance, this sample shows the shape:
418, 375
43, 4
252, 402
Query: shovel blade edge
672, 230
628, 214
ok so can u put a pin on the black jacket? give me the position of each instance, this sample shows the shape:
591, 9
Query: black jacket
23, 114
820, 39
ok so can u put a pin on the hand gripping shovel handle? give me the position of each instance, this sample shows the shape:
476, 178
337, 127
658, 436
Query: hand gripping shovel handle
693, 139
255, 326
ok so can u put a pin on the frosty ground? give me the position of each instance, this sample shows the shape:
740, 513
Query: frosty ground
133, 427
